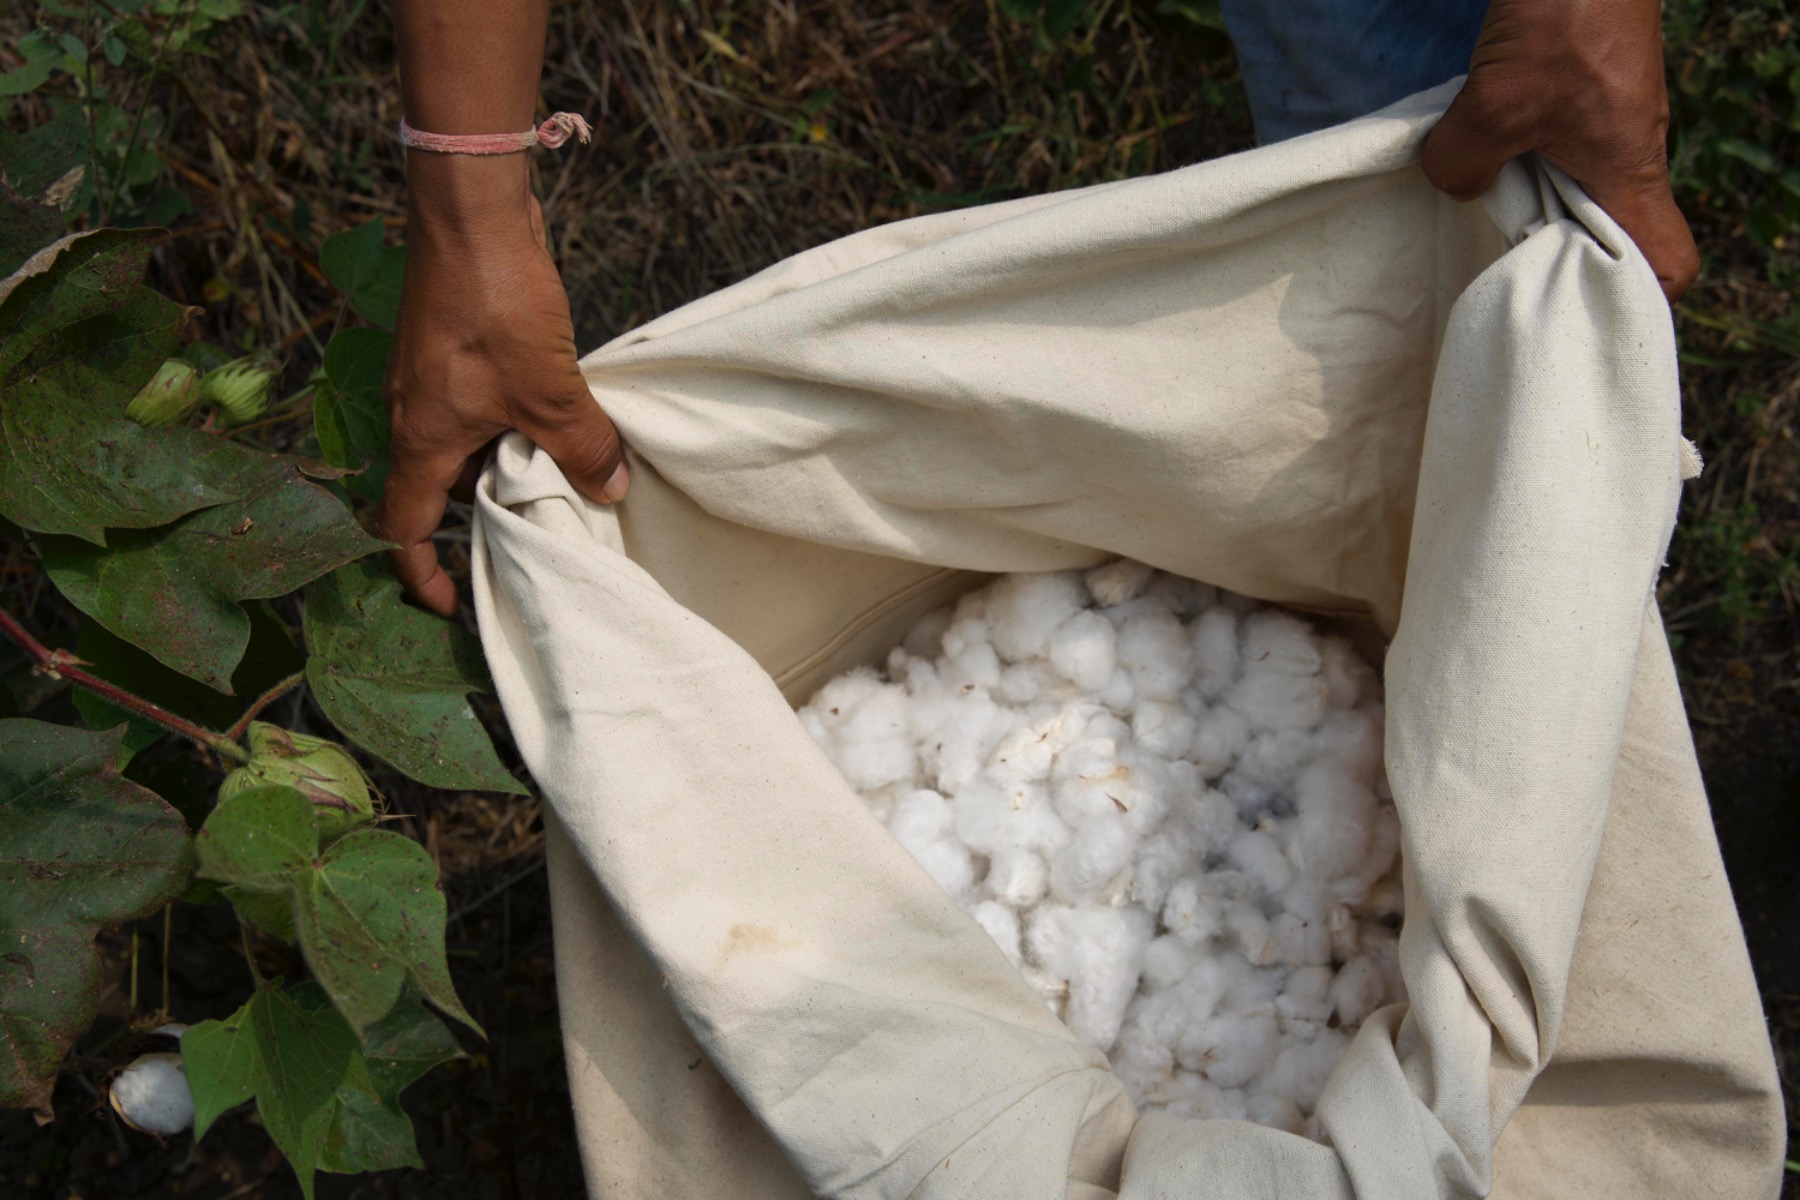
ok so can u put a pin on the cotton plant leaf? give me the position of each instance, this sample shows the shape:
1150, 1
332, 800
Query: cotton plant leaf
289, 1052
258, 840
349, 417
371, 919
176, 591
330, 1102
366, 910
79, 335
395, 681
271, 657
81, 849
26, 227
367, 271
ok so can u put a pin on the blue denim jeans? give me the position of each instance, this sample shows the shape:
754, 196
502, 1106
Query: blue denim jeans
1312, 63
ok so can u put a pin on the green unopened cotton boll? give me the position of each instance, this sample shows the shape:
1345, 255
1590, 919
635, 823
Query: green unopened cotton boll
167, 399
321, 771
239, 390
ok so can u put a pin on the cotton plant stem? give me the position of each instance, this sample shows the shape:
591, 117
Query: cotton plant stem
60, 664
263, 701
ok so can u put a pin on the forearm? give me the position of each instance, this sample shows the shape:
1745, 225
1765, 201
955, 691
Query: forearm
468, 66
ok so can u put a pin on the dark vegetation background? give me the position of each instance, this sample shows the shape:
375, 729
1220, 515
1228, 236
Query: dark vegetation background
734, 134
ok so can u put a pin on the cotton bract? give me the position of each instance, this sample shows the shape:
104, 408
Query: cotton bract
1166, 806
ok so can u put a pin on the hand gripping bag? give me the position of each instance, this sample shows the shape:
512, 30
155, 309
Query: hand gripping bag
1298, 373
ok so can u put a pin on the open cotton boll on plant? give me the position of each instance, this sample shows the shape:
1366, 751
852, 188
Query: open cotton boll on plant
1166, 806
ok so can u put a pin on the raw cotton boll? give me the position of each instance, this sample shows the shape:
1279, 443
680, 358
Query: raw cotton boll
1165, 805
1155, 649
1251, 933
1276, 642
152, 1095
1100, 849
882, 801
950, 866
1271, 759
1384, 847
1358, 990
1017, 878
1140, 1059
1084, 649
1348, 679
1300, 1069
1184, 597
991, 818
1217, 657
1271, 699
976, 665
1307, 995
1214, 818
925, 640
1219, 737
1024, 610
1259, 856
1163, 729
1303, 943
1120, 693
1162, 858
1100, 952
1336, 815
1277, 1112
1230, 1050
919, 819
874, 742
962, 740
1001, 924
1117, 582
1350, 739
1192, 912
1090, 781
1345, 933
1167, 961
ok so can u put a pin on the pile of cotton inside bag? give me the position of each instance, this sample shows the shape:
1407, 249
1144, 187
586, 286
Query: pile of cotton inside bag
1166, 805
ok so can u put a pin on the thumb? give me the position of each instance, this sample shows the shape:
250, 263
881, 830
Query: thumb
1645, 209
585, 444
1475, 137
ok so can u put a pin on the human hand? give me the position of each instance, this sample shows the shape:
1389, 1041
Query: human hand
1581, 83
484, 344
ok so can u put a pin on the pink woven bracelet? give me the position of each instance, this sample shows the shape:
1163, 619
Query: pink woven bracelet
550, 135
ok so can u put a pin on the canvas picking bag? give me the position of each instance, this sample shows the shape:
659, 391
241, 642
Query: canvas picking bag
1297, 373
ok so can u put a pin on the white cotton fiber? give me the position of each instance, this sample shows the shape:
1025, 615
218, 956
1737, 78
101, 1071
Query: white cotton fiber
1165, 805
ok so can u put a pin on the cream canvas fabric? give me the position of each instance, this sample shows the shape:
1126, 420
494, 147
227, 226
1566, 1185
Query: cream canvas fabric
1297, 373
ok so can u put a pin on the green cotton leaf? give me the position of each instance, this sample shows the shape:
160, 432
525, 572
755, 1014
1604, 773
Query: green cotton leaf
348, 413
366, 271
371, 918
78, 337
25, 228
42, 55
175, 591
271, 912
405, 1044
272, 656
81, 849
395, 680
292, 1053
36, 160
258, 840
367, 910
329, 1103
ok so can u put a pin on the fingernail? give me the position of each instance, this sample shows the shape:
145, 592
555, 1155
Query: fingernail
617, 484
